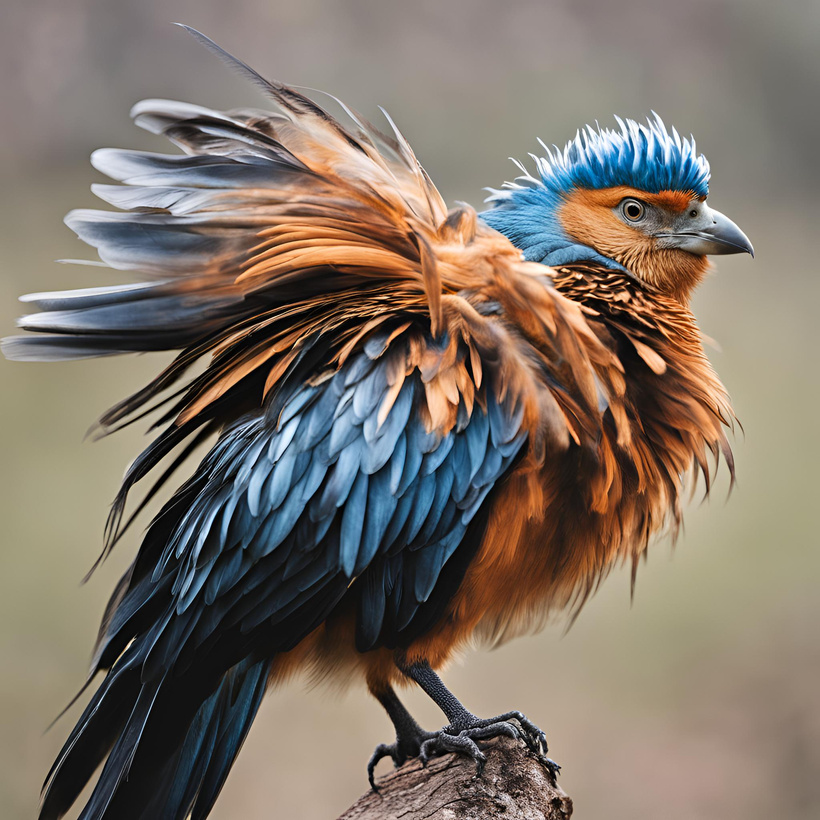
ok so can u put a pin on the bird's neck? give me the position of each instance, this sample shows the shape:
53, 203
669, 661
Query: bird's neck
667, 374
529, 219
634, 308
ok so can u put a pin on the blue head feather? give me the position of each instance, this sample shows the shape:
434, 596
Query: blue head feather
646, 157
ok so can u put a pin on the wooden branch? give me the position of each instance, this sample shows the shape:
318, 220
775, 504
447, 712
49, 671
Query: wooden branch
515, 785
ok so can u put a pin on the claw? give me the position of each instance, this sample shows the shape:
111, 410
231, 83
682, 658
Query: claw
552, 767
381, 751
480, 763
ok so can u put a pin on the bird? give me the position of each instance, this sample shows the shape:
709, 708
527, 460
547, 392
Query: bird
426, 427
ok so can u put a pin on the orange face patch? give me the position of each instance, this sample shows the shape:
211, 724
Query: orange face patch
587, 216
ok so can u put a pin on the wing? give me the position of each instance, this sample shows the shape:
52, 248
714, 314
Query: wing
370, 358
289, 510
275, 243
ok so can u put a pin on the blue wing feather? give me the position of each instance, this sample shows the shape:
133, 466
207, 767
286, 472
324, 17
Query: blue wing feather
321, 493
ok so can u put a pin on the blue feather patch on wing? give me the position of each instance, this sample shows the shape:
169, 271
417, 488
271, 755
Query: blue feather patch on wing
298, 502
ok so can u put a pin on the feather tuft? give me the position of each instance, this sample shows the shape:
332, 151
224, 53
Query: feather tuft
647, 157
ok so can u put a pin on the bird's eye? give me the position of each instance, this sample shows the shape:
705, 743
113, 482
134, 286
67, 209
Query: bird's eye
693, 213
633, 210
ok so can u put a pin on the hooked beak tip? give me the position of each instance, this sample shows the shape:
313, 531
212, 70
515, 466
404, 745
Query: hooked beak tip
728, 237
720, 236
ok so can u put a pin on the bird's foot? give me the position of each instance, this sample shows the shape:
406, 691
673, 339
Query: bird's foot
406, 747
460, 737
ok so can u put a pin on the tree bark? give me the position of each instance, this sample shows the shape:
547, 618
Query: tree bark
515, 785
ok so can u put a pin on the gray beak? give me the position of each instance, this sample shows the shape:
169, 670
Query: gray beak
714, 234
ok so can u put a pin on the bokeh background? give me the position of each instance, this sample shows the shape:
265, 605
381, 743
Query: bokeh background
701, 699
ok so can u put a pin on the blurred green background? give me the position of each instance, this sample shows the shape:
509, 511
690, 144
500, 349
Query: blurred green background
698, 701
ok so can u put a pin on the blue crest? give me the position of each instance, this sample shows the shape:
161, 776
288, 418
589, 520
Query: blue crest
646, 157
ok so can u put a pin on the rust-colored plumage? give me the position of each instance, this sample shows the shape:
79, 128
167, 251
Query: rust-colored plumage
422, 438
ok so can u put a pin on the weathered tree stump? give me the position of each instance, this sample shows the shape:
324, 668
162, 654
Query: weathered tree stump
515, 785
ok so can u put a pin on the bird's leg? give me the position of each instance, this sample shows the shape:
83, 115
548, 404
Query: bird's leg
465, 728
409, 735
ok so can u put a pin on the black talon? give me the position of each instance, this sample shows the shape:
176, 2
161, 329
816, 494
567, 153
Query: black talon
381, 751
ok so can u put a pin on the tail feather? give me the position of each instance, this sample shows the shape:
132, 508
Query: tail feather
215, 738
91, 739
165, 758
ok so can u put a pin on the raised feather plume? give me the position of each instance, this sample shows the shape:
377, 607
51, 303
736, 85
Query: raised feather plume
269, 233
647, 157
